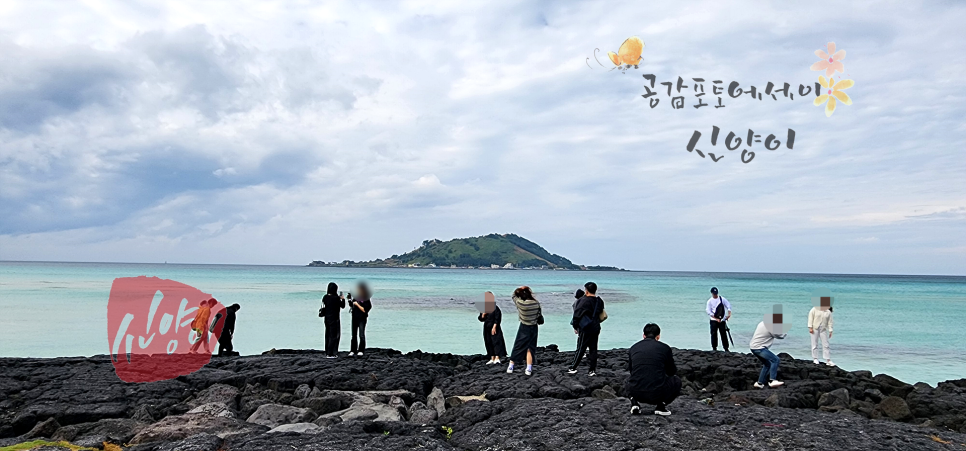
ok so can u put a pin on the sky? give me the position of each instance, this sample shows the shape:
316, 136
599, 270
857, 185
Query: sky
285, 132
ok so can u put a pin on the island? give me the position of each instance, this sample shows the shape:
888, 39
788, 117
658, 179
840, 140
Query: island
493, 251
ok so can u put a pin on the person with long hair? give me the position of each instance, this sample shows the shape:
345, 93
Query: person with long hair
491, 317
332, 304
525, 346
360, 317
820, 324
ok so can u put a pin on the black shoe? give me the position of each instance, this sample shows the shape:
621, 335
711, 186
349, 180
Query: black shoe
635, 408
727, 350
661, 409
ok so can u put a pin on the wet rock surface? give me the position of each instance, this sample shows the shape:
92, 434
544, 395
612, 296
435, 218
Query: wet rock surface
287, 399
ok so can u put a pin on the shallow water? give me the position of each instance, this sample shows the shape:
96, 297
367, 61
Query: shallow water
905, 326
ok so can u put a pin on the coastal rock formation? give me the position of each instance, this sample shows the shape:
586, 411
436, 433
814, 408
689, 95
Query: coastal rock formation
289, 399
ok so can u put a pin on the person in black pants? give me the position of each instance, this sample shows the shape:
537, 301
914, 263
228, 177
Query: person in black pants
360, 316
653, 379
491, 317
228, 331
586, 323
719, 310
332, 304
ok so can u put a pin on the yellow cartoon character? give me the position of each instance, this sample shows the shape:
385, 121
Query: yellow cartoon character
629, 53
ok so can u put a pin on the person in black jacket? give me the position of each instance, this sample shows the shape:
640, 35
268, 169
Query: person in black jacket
586, 323
360, 316
228, 331
491, 317
332, 303
652, 379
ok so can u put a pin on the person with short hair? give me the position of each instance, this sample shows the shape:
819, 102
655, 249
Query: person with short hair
653, 378
200, 324
765, 335
225, 346
531, 316
586, 324
719, 310
361, 306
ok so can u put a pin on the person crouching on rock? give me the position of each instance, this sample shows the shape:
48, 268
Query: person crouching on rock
332, 304
531, 316
653, 379
360, 316
765, 334
200, 324
491, 317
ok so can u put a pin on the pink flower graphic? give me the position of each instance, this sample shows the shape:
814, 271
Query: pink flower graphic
830, 64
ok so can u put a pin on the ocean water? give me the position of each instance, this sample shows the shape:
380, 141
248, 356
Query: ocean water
910, 327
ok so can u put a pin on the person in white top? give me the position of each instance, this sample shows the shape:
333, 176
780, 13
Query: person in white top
719, 310
820, 323
765, 334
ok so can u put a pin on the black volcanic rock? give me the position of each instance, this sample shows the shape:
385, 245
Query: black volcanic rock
82, 400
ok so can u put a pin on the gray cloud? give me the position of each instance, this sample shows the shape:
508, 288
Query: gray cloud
182, 138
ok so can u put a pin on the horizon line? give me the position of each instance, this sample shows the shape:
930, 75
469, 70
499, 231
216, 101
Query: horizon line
445, 268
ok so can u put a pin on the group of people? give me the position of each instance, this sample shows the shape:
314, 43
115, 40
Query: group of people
332, 304
202, 324
653, 378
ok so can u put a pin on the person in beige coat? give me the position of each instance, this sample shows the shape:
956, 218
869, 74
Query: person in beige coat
820, 324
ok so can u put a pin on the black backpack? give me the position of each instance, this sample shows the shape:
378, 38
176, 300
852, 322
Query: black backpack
720, 311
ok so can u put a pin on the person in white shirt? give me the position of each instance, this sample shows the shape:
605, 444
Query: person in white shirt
820, 323
719, 310
765, 334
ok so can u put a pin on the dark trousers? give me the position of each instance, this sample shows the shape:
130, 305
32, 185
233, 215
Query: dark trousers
333, 332
719, 328
587, 339
665, 395
495, 345
224, 345
358, 334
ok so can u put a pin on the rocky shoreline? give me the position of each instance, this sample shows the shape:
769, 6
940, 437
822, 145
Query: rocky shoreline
291, 399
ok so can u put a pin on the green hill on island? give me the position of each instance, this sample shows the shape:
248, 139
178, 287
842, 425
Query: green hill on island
504, 251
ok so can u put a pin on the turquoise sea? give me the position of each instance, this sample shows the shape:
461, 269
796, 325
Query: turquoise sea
910, 327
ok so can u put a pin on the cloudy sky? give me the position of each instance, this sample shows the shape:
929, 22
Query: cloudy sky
280, 133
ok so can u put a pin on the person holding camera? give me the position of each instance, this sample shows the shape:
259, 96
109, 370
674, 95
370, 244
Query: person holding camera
531, 316
360, 317
332, 304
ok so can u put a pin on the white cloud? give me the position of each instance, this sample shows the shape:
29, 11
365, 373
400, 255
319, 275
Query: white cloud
257, 132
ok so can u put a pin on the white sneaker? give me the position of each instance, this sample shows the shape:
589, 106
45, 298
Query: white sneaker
591, 374
661, 410
351, 354
829, 363
635, 410
497, 362
528, 372
774, 384
509, 369
331, 357
815, 361
757, 385
571, 371
491, 362
359, 354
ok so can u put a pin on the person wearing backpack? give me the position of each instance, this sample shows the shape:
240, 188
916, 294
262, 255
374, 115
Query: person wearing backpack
719, 309
588, 313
